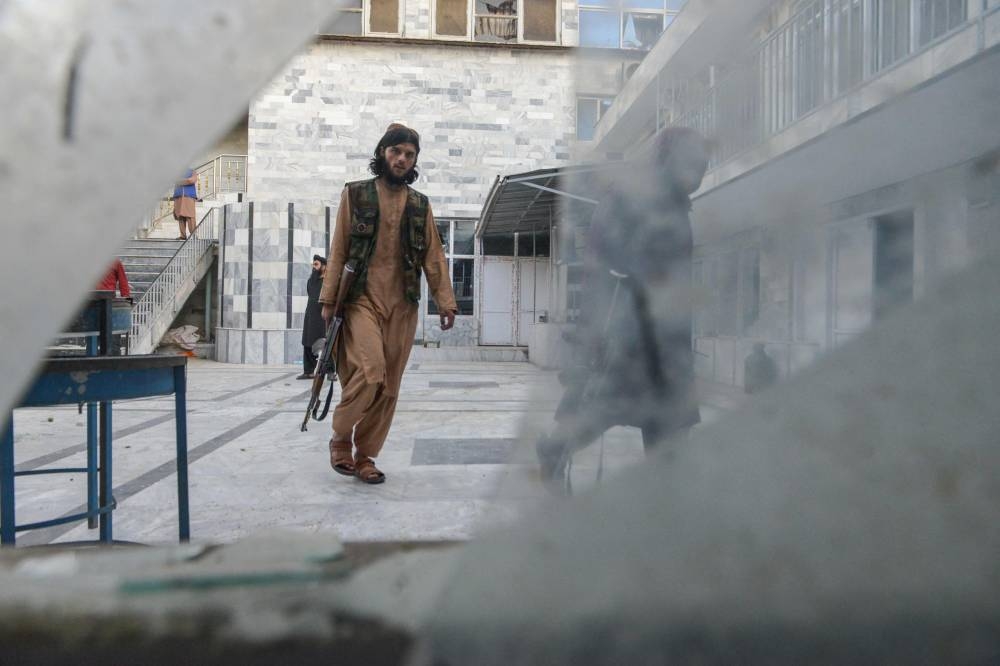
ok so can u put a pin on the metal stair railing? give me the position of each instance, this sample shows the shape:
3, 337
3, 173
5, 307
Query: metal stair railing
219, 175
160, 297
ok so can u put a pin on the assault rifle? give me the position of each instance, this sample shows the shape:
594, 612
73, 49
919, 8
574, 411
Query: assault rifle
326, 364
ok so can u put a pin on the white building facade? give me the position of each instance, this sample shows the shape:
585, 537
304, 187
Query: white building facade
492, 89
856, 161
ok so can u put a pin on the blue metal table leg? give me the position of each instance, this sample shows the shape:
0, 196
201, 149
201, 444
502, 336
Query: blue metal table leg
92, 494
92, 465
105, 472
7, 483
180, 417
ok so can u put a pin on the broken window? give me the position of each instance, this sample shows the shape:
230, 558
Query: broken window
625, 24
496, 21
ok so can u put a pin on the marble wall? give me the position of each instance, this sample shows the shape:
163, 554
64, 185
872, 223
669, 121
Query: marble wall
264, 264
481, 111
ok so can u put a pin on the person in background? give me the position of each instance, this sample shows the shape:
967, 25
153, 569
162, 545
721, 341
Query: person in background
634, 364
115, 278
313, 327
185, 195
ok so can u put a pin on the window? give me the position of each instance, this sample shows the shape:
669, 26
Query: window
589, 111
347, 21
625, 24
458, 238
364, 17
497, 21
892, 32
939, 16
533, 244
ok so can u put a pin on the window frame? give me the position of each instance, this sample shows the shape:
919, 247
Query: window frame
451, 257
470, 26
621, 10
366, 14
600, 114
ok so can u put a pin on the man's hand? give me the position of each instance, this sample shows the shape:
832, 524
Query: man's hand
327, 313
447, 320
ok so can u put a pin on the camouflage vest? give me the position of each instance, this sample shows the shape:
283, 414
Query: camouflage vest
364, 232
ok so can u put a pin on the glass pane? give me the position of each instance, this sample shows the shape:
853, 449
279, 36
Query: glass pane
465, 242
605, 105
345, 23
599, 29
643, 4
640, 31
599, 3
463, 282
385, 16
676, 5
586, 118
496, 22
452, 18
537, 247
499, 246
496, 8
444, 231
540, 20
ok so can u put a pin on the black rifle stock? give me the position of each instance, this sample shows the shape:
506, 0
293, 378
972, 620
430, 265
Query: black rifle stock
326, 364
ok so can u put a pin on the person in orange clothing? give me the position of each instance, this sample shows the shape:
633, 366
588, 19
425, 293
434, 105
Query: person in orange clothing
116, 278
380, 318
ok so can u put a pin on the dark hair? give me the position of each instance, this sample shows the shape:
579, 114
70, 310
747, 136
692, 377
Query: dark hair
395, 135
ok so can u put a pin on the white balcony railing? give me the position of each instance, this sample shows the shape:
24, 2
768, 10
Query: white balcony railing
826, 49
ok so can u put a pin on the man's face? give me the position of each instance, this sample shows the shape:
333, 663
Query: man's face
318, 266
401, 159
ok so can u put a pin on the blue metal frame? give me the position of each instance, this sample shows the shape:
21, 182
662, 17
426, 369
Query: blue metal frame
99, 380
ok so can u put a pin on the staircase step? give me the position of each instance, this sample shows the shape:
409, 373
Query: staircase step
135, 260
153, 242
165, 252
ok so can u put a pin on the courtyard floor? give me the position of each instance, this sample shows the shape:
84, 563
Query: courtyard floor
460, 457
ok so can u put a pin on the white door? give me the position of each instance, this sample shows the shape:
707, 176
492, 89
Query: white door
498, 301
852, 251
533, 295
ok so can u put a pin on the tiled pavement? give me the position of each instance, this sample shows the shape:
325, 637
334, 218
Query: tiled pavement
460, 455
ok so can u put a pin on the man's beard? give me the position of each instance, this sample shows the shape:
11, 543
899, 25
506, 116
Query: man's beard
395, 180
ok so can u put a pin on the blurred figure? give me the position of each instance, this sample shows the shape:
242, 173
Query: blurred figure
185, 196
759, 370
634, 363
313, 327
114, 279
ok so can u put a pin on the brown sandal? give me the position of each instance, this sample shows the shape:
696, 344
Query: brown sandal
366, 471
341, 459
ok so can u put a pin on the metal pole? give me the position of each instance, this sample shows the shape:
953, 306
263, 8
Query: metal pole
7, 532
180, 418
208, 306
106, 498
93, 500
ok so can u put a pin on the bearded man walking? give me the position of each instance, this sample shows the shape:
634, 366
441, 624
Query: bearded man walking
386, 230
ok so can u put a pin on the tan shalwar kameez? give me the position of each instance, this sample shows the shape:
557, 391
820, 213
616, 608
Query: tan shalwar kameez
379, 327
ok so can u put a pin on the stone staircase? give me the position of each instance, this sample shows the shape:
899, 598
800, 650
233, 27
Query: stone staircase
163, 273
144, 260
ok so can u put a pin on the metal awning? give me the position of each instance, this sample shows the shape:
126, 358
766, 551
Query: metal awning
527, 201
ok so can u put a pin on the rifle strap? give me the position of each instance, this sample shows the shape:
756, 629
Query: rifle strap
326, 407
